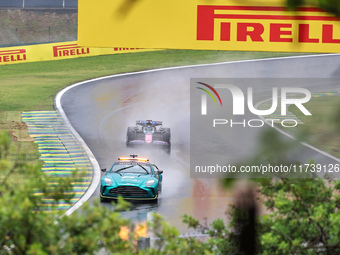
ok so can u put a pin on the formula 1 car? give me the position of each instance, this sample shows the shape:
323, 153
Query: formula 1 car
132, 178
149, 132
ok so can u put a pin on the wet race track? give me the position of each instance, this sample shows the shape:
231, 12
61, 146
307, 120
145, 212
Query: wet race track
101, 110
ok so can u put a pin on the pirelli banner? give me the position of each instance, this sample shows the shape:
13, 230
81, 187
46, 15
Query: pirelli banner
55, 51
207, 24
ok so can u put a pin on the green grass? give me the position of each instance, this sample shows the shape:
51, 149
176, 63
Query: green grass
322, 129
32, 86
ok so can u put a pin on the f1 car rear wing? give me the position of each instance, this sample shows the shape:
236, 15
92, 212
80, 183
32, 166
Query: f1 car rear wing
152, 123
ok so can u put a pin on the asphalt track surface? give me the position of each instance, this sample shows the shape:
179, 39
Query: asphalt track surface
100, 110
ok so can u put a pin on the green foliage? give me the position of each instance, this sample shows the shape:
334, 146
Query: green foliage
92, 229
25, 228
302, 218
168, 242
5, 142
331, 6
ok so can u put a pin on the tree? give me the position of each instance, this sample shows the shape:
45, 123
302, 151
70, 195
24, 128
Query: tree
27, 229
304, 216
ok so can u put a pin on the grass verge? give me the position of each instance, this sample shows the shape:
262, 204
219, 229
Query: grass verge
32, 86
323, 127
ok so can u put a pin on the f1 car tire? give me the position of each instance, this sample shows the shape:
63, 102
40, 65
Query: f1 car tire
130, 135
167, 136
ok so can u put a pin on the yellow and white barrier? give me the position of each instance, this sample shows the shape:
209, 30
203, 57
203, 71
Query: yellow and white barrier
55, 51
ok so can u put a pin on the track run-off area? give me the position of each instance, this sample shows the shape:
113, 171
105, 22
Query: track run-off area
98, 112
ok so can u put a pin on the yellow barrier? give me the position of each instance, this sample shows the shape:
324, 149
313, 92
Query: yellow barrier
55, 51
256, 25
